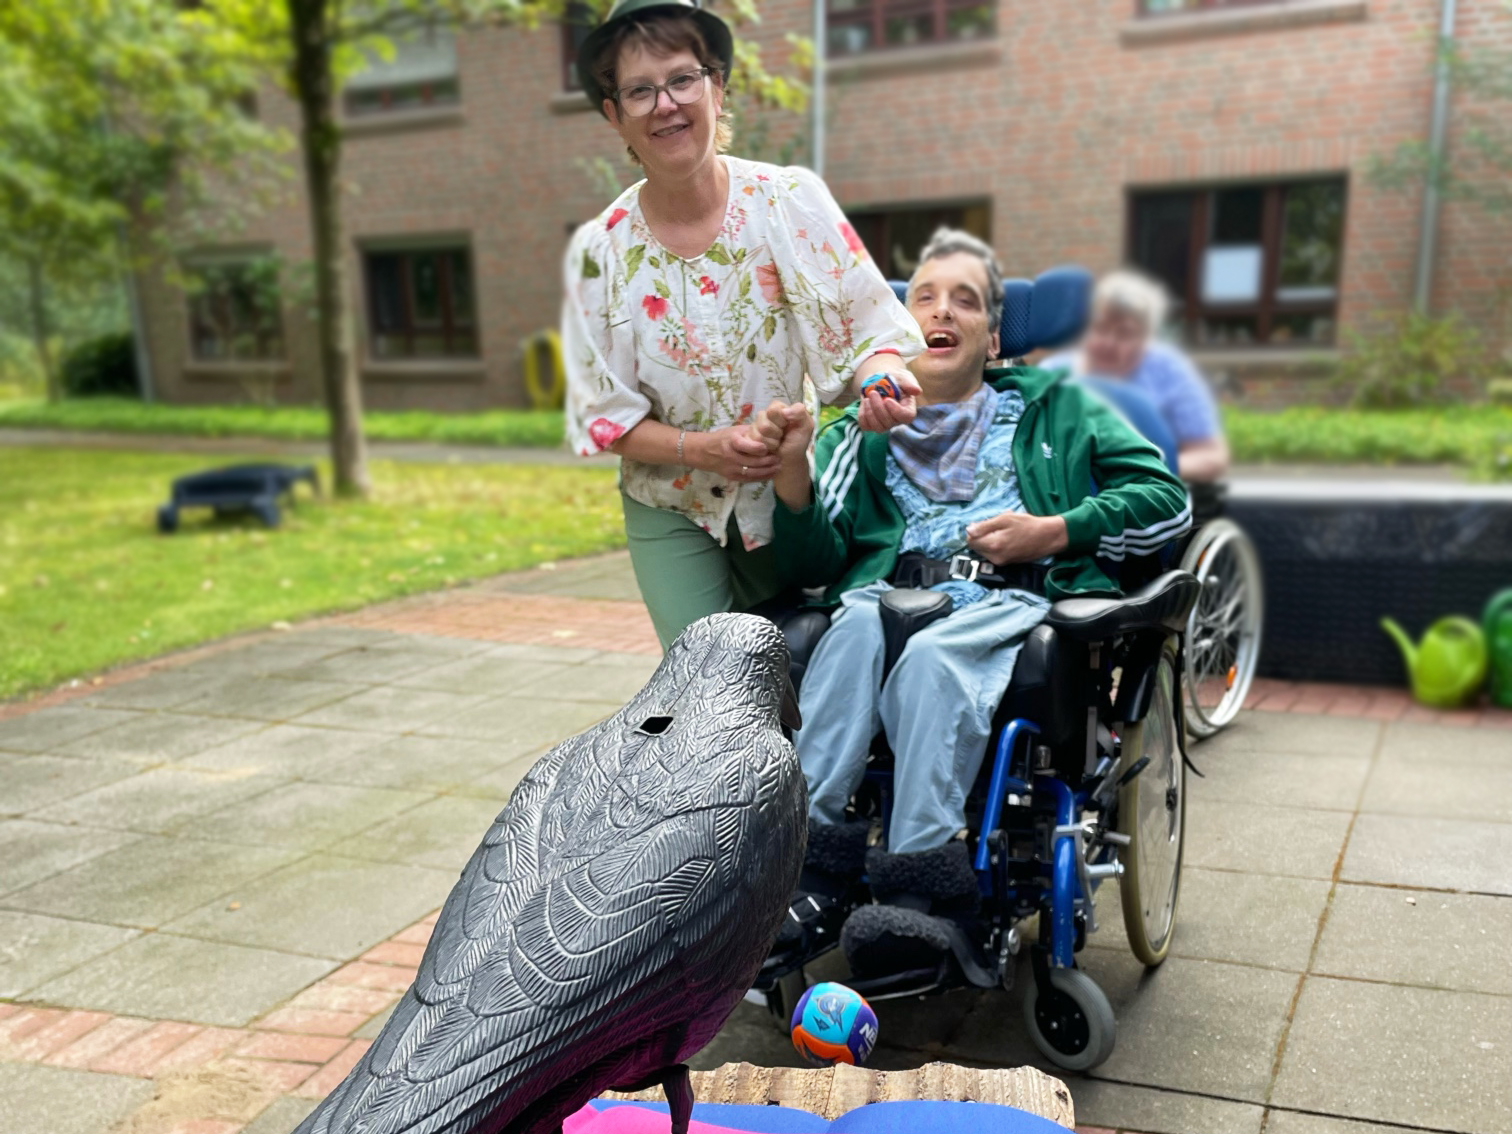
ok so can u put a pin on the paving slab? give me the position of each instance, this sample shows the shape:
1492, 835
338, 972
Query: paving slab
532, 722
492, 674
1411, 1056
1442, 789
322, 906
156, 738
272, 698
34, 949
282, 1116
287, 751
53, 1100
607, 684
45, 729
1100, 1103
1294, 734
421, 763
1446, 854
441, 834
157, 801
1252, 838
439, 647
391, 709
1410, 742
1453, 941
303, 815
36, 781
162, 976
32, 851
165, 689
1250, 919
363, 666
1278, 779
1296, 1122
607, 577
371, 1029
500, 783
149, 882
271, 655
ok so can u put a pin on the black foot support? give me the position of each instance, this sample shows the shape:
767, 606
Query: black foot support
679, 1091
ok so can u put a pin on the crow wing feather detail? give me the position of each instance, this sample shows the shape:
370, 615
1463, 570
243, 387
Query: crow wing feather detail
607, 924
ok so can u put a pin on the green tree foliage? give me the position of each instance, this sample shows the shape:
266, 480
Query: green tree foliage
310, 47
116, 113
1414, 363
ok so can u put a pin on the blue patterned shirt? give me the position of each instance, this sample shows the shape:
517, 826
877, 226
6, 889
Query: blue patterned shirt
938, 529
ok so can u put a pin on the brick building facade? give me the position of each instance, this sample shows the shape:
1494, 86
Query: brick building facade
1223, 144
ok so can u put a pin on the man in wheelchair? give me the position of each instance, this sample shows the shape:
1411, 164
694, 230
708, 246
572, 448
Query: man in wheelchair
986, 503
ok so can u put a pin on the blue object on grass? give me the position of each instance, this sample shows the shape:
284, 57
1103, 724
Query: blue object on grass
239, 488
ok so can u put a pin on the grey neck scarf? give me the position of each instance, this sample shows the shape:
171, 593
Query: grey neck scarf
938, 449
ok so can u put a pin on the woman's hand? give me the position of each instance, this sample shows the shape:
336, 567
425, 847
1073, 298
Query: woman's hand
732, 453
792, 483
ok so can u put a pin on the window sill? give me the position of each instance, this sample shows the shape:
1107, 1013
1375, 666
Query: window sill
255, 368
569, 102
426, 369
1284, 358
394, 121
887, 62
1234, 21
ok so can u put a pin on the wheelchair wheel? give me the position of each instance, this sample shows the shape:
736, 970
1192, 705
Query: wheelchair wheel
1074, 1025
1152, 813
1223, 630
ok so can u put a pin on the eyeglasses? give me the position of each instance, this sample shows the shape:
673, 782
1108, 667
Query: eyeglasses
640, 100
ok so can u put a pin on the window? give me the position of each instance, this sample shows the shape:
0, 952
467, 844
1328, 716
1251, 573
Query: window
420, 303
421, 75
1163, 7
870, 25
577, 22
1246, 265
234, 310
894, 237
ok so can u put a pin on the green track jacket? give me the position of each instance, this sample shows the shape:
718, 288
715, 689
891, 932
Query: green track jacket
1067, 440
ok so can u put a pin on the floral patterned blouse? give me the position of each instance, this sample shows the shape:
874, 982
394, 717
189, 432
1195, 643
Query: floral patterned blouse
786, 290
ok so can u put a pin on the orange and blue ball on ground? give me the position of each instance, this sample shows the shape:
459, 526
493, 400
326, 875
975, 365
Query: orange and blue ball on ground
834, 1024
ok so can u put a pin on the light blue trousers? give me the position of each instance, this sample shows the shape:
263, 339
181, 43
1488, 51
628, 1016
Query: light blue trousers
936, 709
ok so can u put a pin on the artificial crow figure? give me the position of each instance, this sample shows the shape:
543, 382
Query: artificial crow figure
615, 914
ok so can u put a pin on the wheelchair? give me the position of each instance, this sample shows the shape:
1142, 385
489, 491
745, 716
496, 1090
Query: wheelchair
1085, 781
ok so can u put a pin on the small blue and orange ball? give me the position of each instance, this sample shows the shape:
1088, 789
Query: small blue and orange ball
884, 384
834, 1024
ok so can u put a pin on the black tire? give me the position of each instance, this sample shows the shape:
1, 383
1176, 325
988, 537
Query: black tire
1074, 1028
1152, 813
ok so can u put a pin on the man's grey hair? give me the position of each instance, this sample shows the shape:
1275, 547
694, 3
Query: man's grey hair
949, 241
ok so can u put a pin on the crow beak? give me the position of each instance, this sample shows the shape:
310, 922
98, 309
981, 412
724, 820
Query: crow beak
792, 719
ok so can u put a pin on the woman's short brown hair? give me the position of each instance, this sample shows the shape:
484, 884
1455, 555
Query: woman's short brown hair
661, 35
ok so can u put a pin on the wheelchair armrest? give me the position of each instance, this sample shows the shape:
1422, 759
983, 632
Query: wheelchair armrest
905, 611
1161, 605
801, 626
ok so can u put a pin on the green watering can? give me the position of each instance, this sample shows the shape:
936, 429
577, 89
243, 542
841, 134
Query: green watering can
1449, 665
1497, 623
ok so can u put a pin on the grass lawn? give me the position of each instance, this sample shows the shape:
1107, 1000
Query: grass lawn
1478, 436
529, 428
86, 582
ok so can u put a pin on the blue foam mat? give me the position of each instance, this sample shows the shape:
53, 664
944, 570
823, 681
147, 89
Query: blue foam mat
907, 1117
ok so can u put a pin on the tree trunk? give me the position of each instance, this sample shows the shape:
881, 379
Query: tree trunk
310, 25
36, 286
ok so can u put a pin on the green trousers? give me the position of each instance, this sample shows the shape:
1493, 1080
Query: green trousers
684, 574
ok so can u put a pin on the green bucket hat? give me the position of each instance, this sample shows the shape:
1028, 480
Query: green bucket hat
716, 34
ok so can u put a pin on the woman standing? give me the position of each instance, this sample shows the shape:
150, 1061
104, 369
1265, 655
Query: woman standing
704, 293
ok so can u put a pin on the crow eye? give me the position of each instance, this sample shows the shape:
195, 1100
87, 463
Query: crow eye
654, 726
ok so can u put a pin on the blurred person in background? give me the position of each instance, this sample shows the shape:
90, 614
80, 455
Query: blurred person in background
1128, 310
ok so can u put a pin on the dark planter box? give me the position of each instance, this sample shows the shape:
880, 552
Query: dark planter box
1337, 556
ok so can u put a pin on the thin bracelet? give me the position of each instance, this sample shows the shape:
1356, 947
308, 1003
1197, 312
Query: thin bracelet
681, 435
